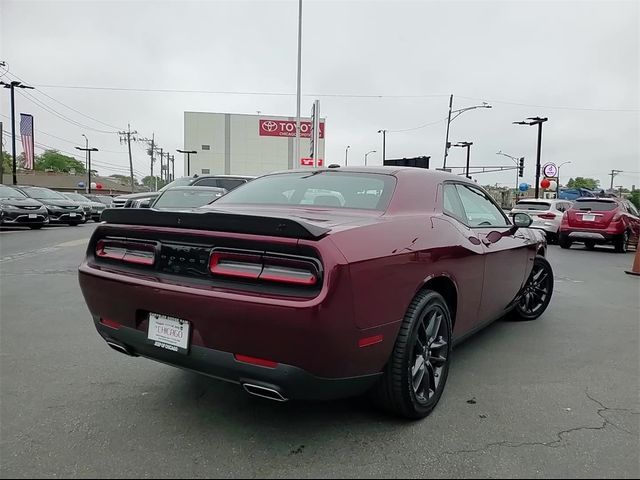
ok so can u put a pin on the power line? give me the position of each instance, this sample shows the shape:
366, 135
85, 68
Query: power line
418, 127
553, 107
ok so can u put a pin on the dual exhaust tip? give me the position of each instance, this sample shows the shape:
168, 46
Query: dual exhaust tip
250, 388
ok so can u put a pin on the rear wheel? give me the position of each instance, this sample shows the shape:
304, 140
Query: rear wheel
552, 238
590, 244
537, 291
415, 376
35, 227
621, 244
564, 242
73, 224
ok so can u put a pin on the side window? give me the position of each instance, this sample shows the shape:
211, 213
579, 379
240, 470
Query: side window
560, 207
480, 211
451, 203
633, 210
207, 182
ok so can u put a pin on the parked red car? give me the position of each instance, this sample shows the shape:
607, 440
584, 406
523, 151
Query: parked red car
318, 284
597, 221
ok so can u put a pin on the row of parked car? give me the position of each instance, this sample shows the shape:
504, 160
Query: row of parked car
589, 220
36, 207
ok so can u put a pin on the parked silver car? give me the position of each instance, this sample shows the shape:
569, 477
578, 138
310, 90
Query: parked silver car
546, 214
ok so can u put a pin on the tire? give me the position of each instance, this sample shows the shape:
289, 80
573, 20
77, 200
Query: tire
537, 292
590, 244
396, 391
564, 242
621, 244
552, 238
35, 227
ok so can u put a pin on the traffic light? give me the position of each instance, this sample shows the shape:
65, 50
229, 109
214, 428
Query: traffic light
521, 168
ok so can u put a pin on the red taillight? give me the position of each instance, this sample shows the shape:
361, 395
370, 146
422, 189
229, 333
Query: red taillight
256, 361
255, 266
126, 251
547, 216
565, 218
110, 323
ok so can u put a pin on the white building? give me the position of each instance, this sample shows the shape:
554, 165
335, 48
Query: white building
233, 144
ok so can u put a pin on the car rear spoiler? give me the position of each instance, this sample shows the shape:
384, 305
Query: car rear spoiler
216, 221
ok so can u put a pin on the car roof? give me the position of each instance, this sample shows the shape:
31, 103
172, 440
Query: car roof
195, 188
435, 175
243, 177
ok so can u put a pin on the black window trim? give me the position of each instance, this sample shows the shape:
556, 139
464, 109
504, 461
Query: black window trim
464, 221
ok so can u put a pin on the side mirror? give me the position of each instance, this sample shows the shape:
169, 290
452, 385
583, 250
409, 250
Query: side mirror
522, 220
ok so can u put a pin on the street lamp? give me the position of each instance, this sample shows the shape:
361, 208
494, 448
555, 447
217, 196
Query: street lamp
536, 121
466, 145
12, 86
188, 152
88, 151
450, 119
558, 178
86, 162
366, 155
346, 155
384, 144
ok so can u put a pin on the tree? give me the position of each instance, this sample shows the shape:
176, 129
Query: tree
583, 182
635, 198
150, 182
53, 160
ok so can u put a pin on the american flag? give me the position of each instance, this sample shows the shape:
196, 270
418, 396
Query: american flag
26, 132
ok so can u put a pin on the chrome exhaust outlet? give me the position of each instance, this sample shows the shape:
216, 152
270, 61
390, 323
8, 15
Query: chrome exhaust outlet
120, 348
264, 392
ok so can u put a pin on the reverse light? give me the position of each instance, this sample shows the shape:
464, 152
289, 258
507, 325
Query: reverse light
138, 253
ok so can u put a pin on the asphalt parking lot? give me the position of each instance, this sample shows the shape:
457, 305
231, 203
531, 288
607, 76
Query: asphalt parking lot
557, 397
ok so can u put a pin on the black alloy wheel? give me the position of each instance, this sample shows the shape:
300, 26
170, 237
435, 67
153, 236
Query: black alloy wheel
537, 292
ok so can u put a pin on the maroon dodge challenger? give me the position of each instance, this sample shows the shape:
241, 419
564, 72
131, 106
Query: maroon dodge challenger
318, 284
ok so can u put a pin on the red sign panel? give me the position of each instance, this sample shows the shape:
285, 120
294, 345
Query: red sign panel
308, 162
286, 128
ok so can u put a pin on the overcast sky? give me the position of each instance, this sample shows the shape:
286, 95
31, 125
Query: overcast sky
574, 62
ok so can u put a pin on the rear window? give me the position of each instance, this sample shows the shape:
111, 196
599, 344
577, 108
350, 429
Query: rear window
326, 189
532, 206
595, 205
186, 198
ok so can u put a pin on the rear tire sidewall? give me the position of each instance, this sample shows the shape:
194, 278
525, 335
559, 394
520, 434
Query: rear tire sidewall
564, 241
622, 243
590, 245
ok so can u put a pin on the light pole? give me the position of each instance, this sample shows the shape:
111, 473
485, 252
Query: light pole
366, 155
384, 144
456, 114
188, 152
12, 86
558, 178
88, 151
466, 145
346, 155
536, 121
86, 161
298, 90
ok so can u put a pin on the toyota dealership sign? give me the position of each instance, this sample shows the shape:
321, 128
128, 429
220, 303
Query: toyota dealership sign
286, 128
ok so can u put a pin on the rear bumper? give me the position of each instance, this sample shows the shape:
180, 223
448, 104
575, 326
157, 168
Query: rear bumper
596, 236
290, 382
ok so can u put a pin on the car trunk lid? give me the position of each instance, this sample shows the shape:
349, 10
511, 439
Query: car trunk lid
592, 213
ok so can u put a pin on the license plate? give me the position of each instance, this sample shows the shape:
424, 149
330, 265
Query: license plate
72, 215
33, 216
589, 218
169, 333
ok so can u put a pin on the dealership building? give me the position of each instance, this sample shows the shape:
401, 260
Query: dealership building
235, 144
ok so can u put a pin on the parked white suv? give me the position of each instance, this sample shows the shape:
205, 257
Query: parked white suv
545, 213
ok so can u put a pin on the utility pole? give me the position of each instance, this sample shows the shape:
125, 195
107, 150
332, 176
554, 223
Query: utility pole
450, 119
1, 154
88, 151
173, 168
536, 121
161, 169
384, 145
613, 174
296, 149
12, 86
153, 139
127, 137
